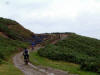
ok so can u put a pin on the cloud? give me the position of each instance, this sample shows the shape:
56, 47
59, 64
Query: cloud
80, 16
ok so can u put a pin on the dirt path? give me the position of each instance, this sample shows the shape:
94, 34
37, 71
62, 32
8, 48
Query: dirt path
26, 69
31, 69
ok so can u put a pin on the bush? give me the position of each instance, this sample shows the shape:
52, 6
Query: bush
8, 46
77, 49
92, 66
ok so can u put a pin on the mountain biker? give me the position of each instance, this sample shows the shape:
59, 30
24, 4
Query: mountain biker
26, 54
33, 44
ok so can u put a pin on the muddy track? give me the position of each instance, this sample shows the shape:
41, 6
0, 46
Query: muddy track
26, 69
31, 69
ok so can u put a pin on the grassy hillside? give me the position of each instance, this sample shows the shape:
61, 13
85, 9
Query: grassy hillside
12, 40
12, 37
72, 68
8, 47
14, 30
77, 49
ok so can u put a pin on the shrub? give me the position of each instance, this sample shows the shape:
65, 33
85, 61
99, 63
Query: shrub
91, 66
77, 49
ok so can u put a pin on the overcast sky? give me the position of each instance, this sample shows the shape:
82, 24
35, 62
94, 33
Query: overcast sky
40, 16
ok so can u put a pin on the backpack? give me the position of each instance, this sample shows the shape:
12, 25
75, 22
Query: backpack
26, 52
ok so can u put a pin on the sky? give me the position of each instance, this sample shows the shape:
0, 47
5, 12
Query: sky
45, 16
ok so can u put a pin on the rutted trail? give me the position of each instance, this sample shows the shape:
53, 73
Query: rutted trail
31, 69
27, 69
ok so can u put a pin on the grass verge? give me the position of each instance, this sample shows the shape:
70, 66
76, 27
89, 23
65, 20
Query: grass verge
72, 68
8, 68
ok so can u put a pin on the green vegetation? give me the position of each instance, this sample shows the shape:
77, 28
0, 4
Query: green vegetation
12, 40
8, 47
66, 66
8, 32
77, 49
6, 21
14, 30
7, 68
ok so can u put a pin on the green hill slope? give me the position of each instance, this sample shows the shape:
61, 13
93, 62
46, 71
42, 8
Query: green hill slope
14, 30
77, 49
12, 37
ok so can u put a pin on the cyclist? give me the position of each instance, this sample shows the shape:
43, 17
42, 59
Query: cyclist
33, 44
26, 55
